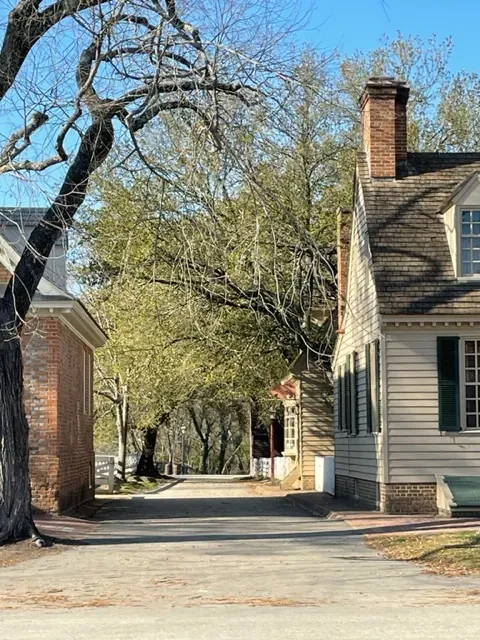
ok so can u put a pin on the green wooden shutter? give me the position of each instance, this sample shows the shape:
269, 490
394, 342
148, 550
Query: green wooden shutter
339, 399
354, 399
348, 394
368, 385
376, 391
448, 384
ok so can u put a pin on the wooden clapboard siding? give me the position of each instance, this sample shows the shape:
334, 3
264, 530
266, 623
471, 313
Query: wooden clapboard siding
417, 450
358, 455
316, 419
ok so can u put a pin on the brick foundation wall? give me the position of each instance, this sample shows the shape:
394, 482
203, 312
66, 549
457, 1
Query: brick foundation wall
61, 435
408, 498
394, 498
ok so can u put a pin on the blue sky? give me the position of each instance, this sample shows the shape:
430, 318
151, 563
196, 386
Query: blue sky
346, 25
360, 24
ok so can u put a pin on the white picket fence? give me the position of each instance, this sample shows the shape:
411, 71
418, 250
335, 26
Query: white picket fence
261, 468
105, 472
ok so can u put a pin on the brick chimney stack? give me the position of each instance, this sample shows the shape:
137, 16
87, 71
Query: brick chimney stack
344, 229
384, 123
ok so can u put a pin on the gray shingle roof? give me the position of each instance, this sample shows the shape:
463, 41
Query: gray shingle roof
413, 268
23, 216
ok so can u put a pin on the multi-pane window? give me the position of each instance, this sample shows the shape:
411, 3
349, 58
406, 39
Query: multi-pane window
472, 383
291, 427
347, 392
470, 242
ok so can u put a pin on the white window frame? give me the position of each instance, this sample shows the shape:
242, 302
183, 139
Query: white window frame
458, 226
291, 443
462, 382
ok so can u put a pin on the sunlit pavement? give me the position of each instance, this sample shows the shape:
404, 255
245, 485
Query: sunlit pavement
213, 560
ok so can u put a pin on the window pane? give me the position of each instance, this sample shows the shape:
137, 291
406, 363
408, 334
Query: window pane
466, 255
469, 346
476, 229
476, 216
471, 422
476, 267
466, 268
475, 242
470, 375
471, 406
466, 216
470, 391
470, 362
476, 254
465, 229
467, 243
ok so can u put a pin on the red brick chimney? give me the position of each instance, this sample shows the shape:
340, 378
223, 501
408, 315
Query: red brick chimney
344, 228
384, 124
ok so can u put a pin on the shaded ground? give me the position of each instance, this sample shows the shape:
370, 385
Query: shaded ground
214, 561
368, 521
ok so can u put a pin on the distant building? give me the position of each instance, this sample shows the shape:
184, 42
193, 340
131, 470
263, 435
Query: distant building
59, 342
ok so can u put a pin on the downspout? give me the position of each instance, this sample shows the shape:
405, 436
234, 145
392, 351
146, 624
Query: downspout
385, 476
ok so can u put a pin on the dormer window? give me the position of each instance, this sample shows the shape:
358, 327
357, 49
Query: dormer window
470, 242
461, 217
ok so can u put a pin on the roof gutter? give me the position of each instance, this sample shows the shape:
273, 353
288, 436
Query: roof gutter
74, 315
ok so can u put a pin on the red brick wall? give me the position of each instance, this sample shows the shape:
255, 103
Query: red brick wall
75, 427
61, 436
41, 356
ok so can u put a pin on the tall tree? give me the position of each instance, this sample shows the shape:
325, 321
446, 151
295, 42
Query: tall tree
109, 68
254, 230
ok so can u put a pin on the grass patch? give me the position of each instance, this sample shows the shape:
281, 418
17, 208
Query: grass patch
139, 484
446, 553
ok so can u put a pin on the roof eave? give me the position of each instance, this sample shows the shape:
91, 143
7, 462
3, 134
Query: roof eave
75, 316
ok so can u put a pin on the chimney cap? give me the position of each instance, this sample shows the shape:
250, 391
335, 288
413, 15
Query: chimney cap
383, 87
386, 81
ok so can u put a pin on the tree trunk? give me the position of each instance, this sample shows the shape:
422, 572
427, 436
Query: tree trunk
16, 520
222, 454
122, 443
146, 464
205, 454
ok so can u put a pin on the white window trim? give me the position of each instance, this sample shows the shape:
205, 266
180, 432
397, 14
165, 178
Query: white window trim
458, 230
292, 451
461, 378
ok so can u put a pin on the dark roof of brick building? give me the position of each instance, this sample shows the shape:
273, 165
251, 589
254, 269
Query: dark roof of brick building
412, 263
